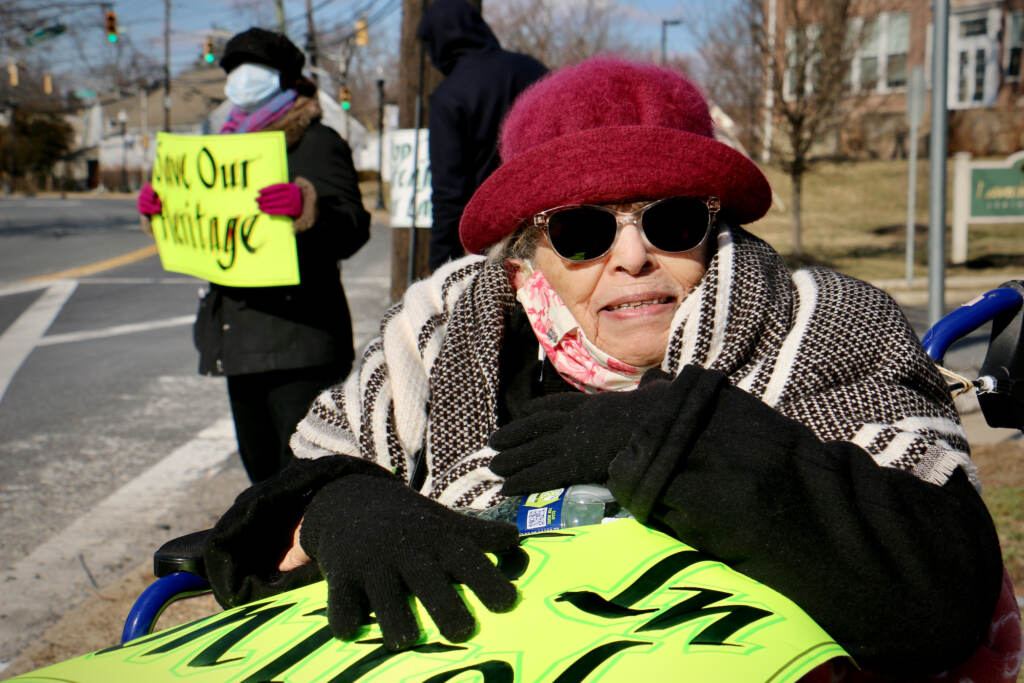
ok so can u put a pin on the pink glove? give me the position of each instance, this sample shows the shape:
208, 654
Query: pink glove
282, 199
149, 201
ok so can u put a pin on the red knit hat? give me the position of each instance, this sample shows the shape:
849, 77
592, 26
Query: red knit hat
604, 131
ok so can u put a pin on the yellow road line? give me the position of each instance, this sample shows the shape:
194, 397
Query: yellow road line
99, 266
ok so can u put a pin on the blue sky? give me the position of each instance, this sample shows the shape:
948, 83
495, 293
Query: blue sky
143, 22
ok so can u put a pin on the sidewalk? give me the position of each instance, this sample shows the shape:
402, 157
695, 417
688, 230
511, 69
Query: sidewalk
959, 289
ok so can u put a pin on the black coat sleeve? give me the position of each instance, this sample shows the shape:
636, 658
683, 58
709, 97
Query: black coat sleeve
903, 573
342, 225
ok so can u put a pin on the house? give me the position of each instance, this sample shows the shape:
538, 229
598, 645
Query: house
985, 93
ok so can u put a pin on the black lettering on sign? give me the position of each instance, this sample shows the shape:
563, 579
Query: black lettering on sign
647, 583
697, 607
211, 655
250, 616
735, 617
586, 664
171, 170
229, 243
231, 175
494, 671
292, 656
211, 168
659, 574
592, 603
380, 654
248, 226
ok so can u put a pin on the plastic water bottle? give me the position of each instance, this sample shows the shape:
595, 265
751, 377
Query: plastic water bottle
585, 504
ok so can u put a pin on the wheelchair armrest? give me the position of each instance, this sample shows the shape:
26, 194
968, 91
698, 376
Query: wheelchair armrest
1002, 398
182, 554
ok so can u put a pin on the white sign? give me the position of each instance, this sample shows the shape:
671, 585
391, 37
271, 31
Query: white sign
409, 181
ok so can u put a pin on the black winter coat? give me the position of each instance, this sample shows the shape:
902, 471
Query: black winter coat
466, 109
257, 329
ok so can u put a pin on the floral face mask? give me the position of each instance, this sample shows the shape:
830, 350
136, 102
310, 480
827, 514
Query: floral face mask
562, 340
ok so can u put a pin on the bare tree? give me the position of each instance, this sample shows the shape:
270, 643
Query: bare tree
807, 68
730, 68
558, 32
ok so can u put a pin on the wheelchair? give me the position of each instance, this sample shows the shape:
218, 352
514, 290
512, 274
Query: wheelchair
178, 564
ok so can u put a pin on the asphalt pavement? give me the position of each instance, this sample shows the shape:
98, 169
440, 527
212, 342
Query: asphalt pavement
110, 442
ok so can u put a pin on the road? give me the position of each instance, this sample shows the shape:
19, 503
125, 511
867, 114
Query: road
110, 442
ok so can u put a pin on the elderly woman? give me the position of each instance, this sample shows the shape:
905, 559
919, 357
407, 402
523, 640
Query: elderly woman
623, 329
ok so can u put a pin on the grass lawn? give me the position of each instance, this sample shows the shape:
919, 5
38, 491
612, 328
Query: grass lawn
855, 217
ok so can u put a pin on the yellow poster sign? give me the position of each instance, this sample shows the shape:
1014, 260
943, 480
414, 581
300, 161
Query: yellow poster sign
617, 603
210, 225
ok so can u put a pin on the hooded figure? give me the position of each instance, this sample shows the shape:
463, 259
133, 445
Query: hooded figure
279, 346
481, 81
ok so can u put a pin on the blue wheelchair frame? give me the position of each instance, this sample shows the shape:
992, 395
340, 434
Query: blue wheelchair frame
1000, 394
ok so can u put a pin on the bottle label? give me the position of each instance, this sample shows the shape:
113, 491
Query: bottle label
541, 512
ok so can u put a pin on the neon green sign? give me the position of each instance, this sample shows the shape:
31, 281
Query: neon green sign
210, 225
614, 602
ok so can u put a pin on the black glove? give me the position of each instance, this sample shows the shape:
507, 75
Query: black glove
244, 548
377, 542
571, 438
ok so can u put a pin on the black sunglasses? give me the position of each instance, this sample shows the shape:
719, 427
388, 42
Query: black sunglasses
584, 232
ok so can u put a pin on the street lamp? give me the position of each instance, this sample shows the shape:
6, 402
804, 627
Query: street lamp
665, 23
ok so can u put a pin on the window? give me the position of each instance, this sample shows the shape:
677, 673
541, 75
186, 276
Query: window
979, 74
868, 55
1014, 43
789, 78
961, 88
974, 27
880, 59
897, 44
975, 67
800, 51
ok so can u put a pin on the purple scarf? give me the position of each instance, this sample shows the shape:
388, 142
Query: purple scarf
241, 121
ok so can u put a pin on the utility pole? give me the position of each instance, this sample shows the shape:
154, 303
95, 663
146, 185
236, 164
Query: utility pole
122, 116
380, 143
412, 89
9, 187
167, 66
310, 39
938, 148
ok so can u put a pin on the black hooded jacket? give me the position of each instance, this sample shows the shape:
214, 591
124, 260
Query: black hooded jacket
481, 81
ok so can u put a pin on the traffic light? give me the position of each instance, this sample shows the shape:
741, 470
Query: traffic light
110, 21
208, 51
345, 95
362, 35
48, 84
12, 74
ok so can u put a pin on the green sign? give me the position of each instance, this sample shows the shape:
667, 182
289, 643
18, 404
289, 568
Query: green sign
613, 602
210, 225
997, 190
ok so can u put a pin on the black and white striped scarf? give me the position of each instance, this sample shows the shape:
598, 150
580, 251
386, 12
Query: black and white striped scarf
829, 351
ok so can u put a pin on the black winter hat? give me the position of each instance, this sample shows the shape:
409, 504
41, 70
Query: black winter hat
260, 46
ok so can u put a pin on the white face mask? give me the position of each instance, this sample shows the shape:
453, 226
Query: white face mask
251, 85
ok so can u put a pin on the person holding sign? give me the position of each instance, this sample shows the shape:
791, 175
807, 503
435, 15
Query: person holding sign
618, 326
280, 345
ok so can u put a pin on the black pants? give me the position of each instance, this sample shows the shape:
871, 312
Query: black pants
267, 406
